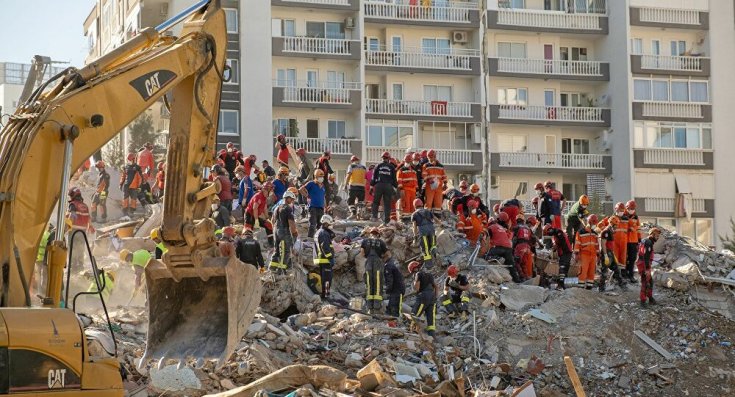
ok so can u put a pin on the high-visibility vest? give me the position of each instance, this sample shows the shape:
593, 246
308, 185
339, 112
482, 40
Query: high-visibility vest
42, 246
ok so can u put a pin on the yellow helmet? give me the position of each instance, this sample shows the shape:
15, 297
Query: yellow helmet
124, 255
156, 234
110, 274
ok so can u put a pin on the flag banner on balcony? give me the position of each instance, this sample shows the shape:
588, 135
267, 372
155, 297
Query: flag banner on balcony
683, 206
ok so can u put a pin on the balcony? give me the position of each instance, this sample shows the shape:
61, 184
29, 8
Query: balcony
548, 69
341, 5
431, 110
529, 162
317, 94
672, 111
669, 65
666, 207
340, 148
455, 158
550, 115
669, 18
456, 14
547, 21
673, 158
316, 47
416, 60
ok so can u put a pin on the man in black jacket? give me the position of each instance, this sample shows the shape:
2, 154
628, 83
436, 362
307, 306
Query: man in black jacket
395, 287
384, 186
247, 249
324, 256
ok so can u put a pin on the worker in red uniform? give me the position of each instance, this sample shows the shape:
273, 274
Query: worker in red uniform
524, 243
161, 179
563, 250
283, 153
621, 238
146, 163
250, 165
407, 185
99, 199
231, 157
586, 251
78, 218
512, 207
131, 178
474, 195
435, 181
257, 211
634, 224
502, 244
224, 185
608, 261
555, 202
322, 163
645, 259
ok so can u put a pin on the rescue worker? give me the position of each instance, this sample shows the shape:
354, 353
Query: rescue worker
231, 158
283, 153
423, 230
474, 195
634, 224
435, 181
418, 169
220, 214
160, 246
146, 163
78, 218
106, 280
577, 214
99, 198
286, 233
512, 207
247, 250
245, 191
426, 292
524, 243
249, 165
456, 297
280, 184
563, 250
368, 186
474, 224
268, 170
333, 189
257, 211
543, 208
355, 185
407, 185
322, 163
395, 286
384, 183
621, 239
41, 260
161, 180
502, 244
586, 251
139, 260
607, 236
373, 249
224, 184
130, 179
315, 193
324, 254
555, 202
645, 259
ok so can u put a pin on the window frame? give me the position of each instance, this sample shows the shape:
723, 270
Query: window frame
689, 82
234, 72
220, 132
336, 123
517, 89
228, 12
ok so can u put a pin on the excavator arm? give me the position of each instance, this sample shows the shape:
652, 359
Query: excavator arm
60, 126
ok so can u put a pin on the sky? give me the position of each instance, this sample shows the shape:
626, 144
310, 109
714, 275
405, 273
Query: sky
44, 27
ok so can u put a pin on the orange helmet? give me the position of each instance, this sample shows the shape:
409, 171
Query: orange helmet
283, 170
654, 231
452, 271
413, 266
584, 200
229, 231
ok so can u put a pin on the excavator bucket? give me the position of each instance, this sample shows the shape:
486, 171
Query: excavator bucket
199, 312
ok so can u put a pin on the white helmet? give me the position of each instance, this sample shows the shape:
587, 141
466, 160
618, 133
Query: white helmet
327, 219
289, 195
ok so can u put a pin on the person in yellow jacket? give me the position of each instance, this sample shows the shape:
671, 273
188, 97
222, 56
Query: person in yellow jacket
41, 265
139, 259
106, 281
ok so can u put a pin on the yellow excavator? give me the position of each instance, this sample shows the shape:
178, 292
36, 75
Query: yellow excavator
199, 303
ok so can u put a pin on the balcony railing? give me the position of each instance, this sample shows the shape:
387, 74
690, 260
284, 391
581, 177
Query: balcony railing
656, 204
588, 6
550, 67
316, 91
552, 160
663, 62
672, 109
548, 19
421, 58
419, 108
316, 45
319, 145
669, 16
326, 2
456, 157
673, 156
551, 113
456, 11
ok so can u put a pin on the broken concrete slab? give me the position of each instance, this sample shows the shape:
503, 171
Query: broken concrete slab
653, 344
518, 297
170, 378
292, 376
541, 315
372, 376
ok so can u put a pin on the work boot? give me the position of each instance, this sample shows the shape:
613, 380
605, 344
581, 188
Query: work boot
588, 285
643, 304
601, 287
652, 301
632, 280
430, 333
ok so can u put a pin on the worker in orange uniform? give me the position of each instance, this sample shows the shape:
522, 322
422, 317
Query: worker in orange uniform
474, 223
146, 162
634, 224
407, 185
621, 236
130, 180
586, 250
99, 199
524, 243
435, 180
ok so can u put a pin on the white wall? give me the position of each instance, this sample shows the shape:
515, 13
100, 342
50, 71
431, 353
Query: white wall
9, 95
324, 116
682, 4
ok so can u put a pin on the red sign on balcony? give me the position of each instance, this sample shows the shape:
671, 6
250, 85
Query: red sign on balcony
439, 107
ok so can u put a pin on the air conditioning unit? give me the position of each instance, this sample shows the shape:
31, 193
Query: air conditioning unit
349, 23
605, 144
494, 182
459, 36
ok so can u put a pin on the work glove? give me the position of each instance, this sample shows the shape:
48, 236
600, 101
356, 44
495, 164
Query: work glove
607, 260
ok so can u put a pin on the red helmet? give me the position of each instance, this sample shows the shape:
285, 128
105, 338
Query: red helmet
472, 204
592, 220
547, 229
354, 158
232, 145
131, 157
161, 166
229, 231
503, 217
413, 266
416, 156
548, 184
424, 154
74, 192
418, 203
539, 186
496, 208
407, 158
452, 271
386, 155
99, 164
268, 185
463, 184
281, 137
431, 154
532, 220
619, 206
630, 205
535, 201
301, 151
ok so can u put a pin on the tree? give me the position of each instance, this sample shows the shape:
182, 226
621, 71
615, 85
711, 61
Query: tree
112, 152
141, 131
728, 242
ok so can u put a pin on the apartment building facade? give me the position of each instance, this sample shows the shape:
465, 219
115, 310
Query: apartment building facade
616, 99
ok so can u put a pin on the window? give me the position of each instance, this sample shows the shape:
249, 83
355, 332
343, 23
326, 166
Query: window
575, 146
287, 127
231, 20
636, 46
654, 134
336, 129
312, 78
642, 90
335, 79
690, 91
573, 53
398, 91
699, 91
329, 30
512, 143
229, 122
289, 28
549, 98
660, 90
575, 99
375, 135
678, 48
390, 135
679, 91
374, 44
511, 50
286, 77
436, 46
437, 93
232, 74
513, 96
